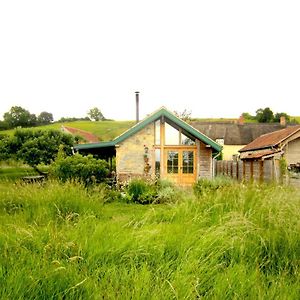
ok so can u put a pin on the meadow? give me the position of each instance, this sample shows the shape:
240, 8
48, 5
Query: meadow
64, 241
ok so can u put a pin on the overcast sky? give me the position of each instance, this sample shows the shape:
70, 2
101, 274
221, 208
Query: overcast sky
215, 58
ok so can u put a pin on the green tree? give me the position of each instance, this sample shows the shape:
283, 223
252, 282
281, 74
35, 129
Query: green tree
95, 114
45, 118
35, 147
282, 114
18, 116
264, 115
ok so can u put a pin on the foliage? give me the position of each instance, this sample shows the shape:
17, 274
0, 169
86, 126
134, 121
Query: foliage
72, 119
59, 241
185, 115
264, 115
19, 116
95, 114
34, 147
204, 185
45, 118
85, 169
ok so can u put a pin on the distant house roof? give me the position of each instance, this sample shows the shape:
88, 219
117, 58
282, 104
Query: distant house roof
271, 140
235, 134
162, 112
89, 137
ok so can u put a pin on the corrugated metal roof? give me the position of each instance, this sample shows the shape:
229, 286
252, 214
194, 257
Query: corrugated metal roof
271, 139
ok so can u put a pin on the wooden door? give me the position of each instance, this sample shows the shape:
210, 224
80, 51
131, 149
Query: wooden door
180, 165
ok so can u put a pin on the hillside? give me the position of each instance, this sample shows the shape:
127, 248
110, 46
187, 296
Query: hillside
108, 130
105, 130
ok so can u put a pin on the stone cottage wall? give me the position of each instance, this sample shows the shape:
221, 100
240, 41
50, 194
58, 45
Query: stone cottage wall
130, 161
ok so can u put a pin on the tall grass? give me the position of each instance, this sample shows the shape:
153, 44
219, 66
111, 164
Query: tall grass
61, 241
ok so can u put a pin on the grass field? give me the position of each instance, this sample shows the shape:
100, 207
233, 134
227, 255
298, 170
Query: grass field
105, 130
61, 241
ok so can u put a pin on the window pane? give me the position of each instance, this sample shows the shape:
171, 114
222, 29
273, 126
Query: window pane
157, 132
157, 162
186, 140
187, 162
171, 135
172, 164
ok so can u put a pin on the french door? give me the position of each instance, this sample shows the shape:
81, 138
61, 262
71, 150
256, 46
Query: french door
180, 165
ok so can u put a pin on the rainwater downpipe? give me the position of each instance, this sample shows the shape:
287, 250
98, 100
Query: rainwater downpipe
213, 160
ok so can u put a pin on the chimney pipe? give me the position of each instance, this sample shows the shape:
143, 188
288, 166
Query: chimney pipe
137, 100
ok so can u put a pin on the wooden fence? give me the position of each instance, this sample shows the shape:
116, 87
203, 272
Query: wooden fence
264, 171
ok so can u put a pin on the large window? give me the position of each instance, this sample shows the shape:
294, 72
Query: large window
174, 136
157, 132
171, 135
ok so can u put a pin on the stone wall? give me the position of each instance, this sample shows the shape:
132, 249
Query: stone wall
130, 154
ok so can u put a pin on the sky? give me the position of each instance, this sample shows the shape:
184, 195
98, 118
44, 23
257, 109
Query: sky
215, 58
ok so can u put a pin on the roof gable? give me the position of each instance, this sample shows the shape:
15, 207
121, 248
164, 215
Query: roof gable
272, 139
162, 112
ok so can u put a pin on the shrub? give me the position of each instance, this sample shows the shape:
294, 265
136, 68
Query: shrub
85, 169
141, 191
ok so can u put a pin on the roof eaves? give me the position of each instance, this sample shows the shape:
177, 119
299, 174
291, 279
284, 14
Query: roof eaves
94, 145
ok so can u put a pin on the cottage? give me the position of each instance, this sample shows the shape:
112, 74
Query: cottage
235, 135
282, 143
160, 145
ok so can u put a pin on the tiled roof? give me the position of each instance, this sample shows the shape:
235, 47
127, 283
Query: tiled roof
271, 139
89, 137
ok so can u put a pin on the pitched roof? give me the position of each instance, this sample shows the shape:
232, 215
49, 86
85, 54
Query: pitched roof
89, 137
235, 134
272, 139
162, 112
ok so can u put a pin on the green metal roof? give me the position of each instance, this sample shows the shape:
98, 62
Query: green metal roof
162, 112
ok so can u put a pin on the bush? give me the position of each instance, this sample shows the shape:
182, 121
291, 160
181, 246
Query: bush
141, 191
85, 169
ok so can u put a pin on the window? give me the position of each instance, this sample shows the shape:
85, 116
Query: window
187, 162
172, 164
186, 140
157, 162
157, 132
171, 135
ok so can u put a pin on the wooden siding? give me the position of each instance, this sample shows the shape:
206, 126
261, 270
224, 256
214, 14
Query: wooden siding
205, 161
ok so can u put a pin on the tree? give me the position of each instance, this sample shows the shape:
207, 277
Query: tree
95, 114
282, 114
45, 118
35, 147
185, 115
264, 115
18, 116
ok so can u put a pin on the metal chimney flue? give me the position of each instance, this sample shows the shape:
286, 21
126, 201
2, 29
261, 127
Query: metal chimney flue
137, 100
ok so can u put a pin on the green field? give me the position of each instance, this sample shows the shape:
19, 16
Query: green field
61, 241
105, 130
